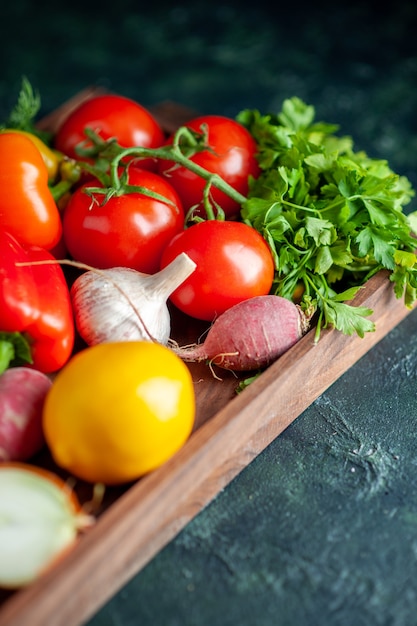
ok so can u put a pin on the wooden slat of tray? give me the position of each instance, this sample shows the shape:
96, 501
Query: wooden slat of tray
230, 431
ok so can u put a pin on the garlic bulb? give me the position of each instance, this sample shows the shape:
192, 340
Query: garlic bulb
122, 304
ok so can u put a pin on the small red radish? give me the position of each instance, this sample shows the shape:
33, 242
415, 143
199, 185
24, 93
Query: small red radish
250, 335
22, 394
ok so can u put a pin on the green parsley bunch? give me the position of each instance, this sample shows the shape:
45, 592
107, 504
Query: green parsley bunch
333, 217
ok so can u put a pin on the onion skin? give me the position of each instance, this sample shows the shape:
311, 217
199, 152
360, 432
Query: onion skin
250, 335
22, 395
102, 314
40, 521
122, 304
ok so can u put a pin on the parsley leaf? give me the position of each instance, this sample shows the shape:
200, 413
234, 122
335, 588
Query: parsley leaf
24, 112
331, 215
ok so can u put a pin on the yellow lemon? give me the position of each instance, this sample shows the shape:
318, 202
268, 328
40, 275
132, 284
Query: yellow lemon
119, 410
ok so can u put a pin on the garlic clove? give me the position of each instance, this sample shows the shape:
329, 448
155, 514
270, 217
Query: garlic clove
121, 304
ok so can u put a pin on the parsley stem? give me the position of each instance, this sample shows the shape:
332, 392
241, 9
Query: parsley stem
300, 206
298, 272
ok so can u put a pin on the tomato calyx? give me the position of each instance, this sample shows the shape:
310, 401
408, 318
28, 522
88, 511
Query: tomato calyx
119, 186
109, 159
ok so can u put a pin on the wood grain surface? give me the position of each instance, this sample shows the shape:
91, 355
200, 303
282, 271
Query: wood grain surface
136, 521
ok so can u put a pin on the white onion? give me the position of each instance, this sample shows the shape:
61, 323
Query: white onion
39, 520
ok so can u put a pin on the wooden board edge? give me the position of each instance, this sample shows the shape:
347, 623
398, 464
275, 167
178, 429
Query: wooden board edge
168, 114
52, 121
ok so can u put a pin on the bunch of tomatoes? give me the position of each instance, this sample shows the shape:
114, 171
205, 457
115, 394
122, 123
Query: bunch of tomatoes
130, 195
146, 228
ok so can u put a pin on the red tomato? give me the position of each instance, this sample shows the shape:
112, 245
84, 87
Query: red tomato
129, 230
110, 115
234, 263
231, 156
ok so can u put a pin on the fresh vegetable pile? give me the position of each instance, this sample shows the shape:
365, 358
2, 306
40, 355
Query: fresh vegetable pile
259, 227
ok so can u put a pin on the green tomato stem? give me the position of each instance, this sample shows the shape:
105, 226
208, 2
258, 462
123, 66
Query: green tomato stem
174, 154
60, 189
115, 155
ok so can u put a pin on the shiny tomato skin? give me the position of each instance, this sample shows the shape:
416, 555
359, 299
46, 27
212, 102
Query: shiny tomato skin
232, 156
110, 115
130, 230
234, 263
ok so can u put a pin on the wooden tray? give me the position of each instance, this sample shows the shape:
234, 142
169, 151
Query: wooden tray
136, 521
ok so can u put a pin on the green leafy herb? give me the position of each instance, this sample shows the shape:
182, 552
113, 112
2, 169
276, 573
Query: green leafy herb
24, 113
333, 217
14, 350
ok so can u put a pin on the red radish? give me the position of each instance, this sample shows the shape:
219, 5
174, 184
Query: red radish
22, 394
250, 335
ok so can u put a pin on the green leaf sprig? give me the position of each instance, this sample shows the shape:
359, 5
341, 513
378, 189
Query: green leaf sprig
24, 112
14, 350
333, 217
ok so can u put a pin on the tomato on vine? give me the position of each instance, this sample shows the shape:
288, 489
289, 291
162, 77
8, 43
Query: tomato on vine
110, 116
127, 229
234, 263
230, 153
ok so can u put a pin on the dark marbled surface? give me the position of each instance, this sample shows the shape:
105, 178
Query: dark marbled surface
321, 529
355, 62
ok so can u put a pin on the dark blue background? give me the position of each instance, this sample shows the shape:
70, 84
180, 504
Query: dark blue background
356, 62
321, 529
